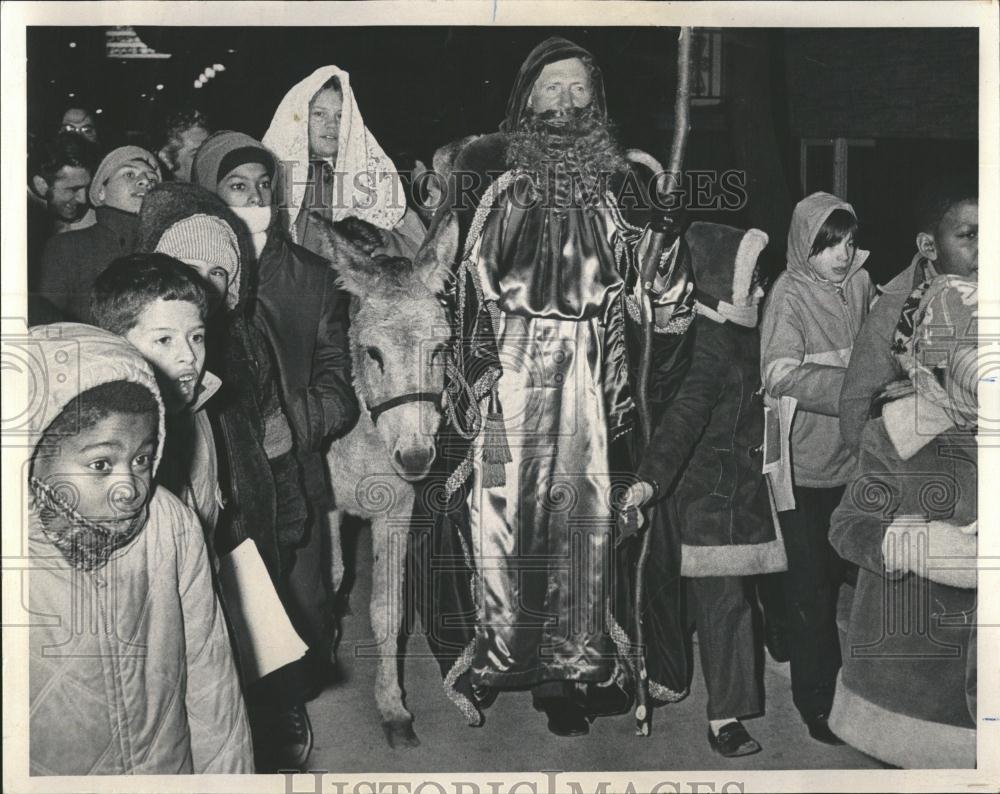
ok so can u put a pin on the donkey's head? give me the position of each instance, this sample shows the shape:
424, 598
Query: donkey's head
400, 337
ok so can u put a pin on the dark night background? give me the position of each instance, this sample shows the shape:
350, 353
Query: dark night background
910, 94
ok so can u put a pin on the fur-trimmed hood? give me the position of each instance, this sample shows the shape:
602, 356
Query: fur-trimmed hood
172, 202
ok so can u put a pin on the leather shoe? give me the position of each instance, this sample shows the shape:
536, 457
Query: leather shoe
566, 716
820, 730
292, 739
606, 701
733, 740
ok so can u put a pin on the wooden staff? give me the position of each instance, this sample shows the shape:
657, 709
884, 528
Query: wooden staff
682, 106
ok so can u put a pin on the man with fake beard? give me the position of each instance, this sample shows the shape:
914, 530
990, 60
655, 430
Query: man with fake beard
542, 294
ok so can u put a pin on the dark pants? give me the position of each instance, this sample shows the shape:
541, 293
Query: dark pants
308, 578
811, 586
724, 619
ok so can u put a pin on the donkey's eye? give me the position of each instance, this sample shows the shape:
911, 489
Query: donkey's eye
375, 355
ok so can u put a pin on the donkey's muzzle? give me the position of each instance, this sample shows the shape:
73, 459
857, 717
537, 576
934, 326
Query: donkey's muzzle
414, 464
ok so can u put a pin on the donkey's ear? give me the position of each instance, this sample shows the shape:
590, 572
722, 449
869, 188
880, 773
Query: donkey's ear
435, 261
350, 262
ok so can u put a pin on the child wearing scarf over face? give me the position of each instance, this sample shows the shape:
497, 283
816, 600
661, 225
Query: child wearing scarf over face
906, 693
154, 690
304, 315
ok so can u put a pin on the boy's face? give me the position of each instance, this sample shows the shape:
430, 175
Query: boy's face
106, 470
128, 186
247, 185
954, 246
171, 336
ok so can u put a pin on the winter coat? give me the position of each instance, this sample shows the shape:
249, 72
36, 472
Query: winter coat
239, 354
152, 688
807, 332
190, 466
903, 689
705, 453
872, 365
303, 313
71, 262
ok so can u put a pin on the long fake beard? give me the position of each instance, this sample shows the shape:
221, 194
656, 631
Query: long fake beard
571, 163
87, 545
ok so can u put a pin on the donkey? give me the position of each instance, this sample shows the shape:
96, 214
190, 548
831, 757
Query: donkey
399, 338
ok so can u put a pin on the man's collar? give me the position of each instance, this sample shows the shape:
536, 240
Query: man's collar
116, 219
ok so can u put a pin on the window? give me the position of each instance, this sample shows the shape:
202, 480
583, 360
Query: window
824, 163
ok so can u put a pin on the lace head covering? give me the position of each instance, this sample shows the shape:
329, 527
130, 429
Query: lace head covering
372, 190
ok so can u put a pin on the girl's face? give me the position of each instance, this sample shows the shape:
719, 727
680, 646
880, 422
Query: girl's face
324, 124
247, 185
834, 263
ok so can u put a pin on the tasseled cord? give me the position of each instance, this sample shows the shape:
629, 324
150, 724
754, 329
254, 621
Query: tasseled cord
496, 451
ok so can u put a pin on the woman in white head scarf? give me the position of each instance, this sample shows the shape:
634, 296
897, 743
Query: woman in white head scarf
329, 161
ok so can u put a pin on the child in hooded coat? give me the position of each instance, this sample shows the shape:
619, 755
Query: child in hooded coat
811, 318
704, 461
906, 693
154, 689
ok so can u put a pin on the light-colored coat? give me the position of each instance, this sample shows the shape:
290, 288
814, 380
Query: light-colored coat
807, 333
130, 667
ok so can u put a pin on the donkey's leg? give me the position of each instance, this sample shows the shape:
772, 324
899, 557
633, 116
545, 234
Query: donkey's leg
389, 539
336, 518
336, 607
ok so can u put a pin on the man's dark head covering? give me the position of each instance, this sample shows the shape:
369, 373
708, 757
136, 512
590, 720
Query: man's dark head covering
549, 51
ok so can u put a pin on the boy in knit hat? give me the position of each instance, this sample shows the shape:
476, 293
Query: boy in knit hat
72, 261
262, 483
303, 314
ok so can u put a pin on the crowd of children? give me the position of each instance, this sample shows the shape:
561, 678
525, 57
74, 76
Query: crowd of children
177, 481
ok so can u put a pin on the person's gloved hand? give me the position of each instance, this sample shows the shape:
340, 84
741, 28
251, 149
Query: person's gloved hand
636, 497
937, 550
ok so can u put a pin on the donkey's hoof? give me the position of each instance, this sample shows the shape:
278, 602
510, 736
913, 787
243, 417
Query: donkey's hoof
399, 733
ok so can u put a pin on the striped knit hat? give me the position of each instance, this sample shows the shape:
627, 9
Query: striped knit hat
205, 238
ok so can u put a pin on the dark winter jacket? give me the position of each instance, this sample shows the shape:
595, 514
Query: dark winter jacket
303, 314
240, 355
903, 689
72, 261
706, 454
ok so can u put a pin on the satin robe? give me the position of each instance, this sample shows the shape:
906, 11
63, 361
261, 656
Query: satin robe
542, 542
